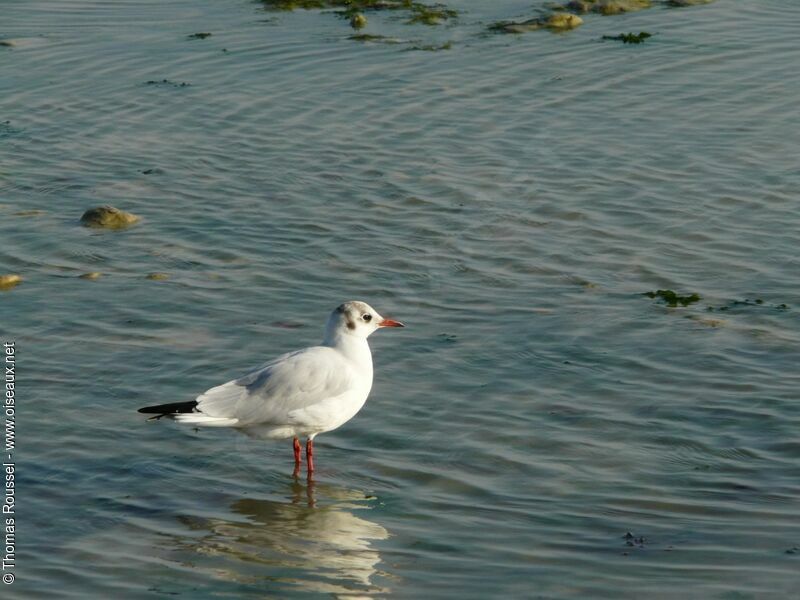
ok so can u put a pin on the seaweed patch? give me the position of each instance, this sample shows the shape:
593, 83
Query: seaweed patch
672, 299
758, 302
629, 38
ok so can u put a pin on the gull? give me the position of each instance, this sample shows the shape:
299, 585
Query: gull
299, 394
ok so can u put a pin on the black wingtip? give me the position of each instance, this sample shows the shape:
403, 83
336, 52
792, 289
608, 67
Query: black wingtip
173, 408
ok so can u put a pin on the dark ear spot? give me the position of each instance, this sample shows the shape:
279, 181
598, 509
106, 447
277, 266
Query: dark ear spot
351, 324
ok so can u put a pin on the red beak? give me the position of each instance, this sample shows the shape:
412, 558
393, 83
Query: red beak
390, 323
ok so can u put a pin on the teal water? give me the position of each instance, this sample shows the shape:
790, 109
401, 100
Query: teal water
509, 198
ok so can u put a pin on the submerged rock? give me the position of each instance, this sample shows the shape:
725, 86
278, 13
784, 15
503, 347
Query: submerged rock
420, 12
679, 3
108, 217
714, 323
431, 47
607, 7
429, 15
366, 37
559, 21
563, 21
9, 281
616, 7
157, 276
92, 275
579, 6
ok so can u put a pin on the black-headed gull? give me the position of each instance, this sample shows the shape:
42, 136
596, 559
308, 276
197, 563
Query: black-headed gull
299, 394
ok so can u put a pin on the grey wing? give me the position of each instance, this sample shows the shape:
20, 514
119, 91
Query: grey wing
268, 394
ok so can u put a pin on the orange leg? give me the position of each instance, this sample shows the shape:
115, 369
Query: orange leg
297, 457
310, 456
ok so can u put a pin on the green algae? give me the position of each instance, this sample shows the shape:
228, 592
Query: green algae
420, 13
367, 37
382, 39
672, 299
629, 38
289, 5
430, 15
167, 82
565, 16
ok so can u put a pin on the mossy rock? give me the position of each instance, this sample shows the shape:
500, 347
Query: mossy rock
607, 7
579, 6
9, 281
617, 7
563, 21
559, 21
108, 217
429, 15
358, 21
157, 276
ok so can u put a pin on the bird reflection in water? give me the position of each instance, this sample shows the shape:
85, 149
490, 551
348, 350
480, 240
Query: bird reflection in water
314, 542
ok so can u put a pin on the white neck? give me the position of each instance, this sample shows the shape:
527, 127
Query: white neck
354, 348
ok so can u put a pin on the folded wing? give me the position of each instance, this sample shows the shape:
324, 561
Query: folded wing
269, 395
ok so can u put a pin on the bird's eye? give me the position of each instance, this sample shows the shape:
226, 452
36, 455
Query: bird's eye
367, 317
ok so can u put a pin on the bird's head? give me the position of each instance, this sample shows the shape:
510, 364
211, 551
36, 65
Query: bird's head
356, 318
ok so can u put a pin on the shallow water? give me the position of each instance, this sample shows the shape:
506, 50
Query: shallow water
509, 198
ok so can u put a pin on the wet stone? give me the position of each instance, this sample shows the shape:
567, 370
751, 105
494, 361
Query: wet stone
108, 217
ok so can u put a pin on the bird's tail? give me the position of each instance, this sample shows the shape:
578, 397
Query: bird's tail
167, 410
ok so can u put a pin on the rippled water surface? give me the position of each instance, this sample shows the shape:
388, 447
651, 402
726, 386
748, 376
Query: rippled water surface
510, 197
